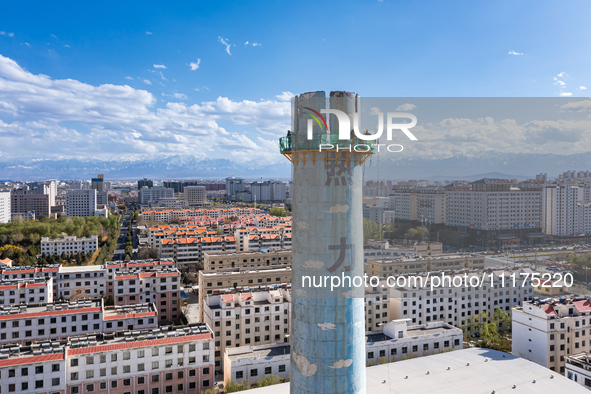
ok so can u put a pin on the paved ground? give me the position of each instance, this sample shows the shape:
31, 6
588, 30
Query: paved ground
193, 309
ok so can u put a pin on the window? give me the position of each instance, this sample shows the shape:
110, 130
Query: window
55, 381
141, 354
89, 374
126, 369
126, 355
39, 369
113, 384
154, 364
74, 390
89, 360
74, 376
155, 378
126, 382
282, 368
141, 380
89, 387
253, 372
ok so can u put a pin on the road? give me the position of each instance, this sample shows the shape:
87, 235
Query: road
119, 253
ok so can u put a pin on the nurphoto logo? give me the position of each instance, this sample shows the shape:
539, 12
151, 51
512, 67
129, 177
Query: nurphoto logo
354, 134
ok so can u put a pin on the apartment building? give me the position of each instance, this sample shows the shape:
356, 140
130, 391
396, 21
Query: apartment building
22, 291
419, 203
166, 215
5, 210
27, 272
81, 202
566, 209
85, 282
548, 331
33, 370
195, 195
377, 306
163, 360
406, 264
153, 194
69, 245
395, 341
217, 261
381, 249
209, 282
162, 286
491, 208
456, 301
578, 368
26, 324
22, 203
248, 318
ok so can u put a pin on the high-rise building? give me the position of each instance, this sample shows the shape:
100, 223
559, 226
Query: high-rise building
195, 195
327, 198
234, 185
145, 183
177, 186
153, 194
81, 202
416, 204
23, 203
98, 183
5, 211
566, 210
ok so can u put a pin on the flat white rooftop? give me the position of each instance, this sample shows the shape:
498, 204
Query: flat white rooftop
471, 371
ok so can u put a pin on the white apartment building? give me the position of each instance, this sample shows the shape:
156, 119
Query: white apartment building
155, 361
491, 207
82, 282
456, 305
248, 319
81, 202
566, 210
195, 195
33, 370
69, 245
23, 291
153, 194
394, 342
268, 191
578, 369
5, 211
548, 331
27, 324
416, 204
377, 306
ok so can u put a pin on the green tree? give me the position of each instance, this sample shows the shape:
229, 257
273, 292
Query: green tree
371, 230
489, 334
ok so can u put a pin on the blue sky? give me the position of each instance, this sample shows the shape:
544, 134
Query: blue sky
156, 105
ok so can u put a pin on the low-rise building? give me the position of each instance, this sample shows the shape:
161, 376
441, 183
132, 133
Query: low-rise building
23, 291
394, 266
85, 282
69, 245
456, 301
548, 331
162, 360
578, 368
238, 278
217, 261
26, 324
248, 318
394, 342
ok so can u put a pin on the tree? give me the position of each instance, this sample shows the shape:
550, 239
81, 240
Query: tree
489, 334
148, 253
109, 301
371, 230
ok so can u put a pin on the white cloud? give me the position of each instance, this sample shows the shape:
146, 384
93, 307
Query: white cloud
66, 46
195, 65
256, 44
179, 96
565, 94
224, 42
246, 43
406, 107
582, 87
159, 66
285, 96
559, 82
562, 74
122, 120
162, 76
10, 34
512, 52
148, 33
130, 78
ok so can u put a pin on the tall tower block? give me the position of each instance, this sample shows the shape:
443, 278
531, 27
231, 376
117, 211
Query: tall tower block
328, 325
